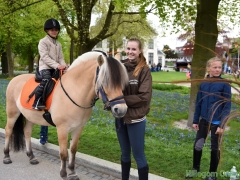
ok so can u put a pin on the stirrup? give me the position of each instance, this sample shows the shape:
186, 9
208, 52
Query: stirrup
41, 107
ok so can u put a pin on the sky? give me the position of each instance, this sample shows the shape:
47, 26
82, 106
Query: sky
164, 37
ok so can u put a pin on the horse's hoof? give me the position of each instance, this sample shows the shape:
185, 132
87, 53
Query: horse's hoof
7, 160
73, 177
34, 161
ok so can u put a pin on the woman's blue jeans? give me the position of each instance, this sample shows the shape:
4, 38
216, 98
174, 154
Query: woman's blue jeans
131, 136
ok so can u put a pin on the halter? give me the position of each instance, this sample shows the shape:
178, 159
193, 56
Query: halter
107, 103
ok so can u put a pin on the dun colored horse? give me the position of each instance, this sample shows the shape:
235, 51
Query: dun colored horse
91, 75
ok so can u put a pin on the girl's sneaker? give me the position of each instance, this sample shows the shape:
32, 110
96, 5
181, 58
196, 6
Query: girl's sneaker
43, 140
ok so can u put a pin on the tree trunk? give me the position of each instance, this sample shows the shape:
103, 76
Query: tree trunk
206, 34
111, 50
85, 47
30, 59
4, 63
71, 51
10, 59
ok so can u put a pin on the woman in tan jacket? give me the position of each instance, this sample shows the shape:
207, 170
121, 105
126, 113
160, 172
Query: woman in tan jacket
51, 58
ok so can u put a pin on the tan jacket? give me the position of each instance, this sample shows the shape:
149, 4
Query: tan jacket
51, 55
137, 94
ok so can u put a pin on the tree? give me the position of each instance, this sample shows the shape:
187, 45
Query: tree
169, 52
127, 29
78, 21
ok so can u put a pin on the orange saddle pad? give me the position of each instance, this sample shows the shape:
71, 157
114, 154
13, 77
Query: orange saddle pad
28, 88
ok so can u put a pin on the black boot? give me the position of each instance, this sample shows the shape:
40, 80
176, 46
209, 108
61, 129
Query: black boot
197, 155
143, 173
196, 163
215, 156
125, 170
38, 102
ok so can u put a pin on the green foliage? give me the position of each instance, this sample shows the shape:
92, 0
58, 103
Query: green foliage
169, 52
25, 27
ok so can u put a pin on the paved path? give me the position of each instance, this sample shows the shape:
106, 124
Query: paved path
47, 169
87, 167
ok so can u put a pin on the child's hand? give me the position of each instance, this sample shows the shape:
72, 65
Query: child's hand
219, 131
195, 127
60, 67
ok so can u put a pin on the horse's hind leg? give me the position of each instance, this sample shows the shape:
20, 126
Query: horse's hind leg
8, 133
28, 133
73, 149
14, 126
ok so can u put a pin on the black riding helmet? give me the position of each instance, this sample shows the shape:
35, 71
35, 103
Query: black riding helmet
51, 23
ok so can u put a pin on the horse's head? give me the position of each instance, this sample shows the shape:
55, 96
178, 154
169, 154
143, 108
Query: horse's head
112, 79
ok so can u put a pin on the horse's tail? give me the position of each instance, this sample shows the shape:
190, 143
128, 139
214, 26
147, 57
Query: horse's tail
17, 138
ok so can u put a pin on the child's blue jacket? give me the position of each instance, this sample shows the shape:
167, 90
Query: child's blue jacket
213, 102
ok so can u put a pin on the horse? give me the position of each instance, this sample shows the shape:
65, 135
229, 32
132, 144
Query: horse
91, 76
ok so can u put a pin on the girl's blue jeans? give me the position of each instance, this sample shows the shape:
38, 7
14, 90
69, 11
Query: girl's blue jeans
44, 133
131, 136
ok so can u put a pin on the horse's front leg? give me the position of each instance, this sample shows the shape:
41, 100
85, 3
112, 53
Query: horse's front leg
63, 152
28, 133
73, 149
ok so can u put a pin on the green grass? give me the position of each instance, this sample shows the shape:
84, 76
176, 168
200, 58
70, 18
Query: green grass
170, 76
168, 149
171, 88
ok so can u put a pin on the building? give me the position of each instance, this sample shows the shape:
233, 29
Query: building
151, 52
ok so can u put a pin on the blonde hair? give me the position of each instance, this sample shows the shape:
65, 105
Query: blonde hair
142, 60
209, 62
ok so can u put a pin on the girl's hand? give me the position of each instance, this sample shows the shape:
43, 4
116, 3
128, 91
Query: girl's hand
61, 67
219, 131
195, 127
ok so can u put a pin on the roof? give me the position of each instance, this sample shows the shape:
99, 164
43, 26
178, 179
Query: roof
160, 52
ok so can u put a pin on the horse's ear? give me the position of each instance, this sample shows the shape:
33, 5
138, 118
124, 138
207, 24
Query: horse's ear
100, 60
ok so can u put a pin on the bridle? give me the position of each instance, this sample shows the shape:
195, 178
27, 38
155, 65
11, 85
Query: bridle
108, 104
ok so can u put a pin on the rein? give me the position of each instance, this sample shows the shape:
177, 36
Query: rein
84, 107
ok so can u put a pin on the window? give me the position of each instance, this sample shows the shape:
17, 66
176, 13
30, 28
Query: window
150, 44
99, 45
108, 43
150, 58
160, 59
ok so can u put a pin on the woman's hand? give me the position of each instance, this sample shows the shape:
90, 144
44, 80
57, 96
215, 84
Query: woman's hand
219, 131
195, 127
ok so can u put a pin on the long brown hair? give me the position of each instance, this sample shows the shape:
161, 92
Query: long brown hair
142, 60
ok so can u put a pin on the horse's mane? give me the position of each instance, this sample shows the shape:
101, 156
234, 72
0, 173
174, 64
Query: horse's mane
112, 74
84, 57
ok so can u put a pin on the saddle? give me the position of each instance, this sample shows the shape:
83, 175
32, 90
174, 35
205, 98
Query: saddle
27, 95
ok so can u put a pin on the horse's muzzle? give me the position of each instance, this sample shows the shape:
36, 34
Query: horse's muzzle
119, 110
